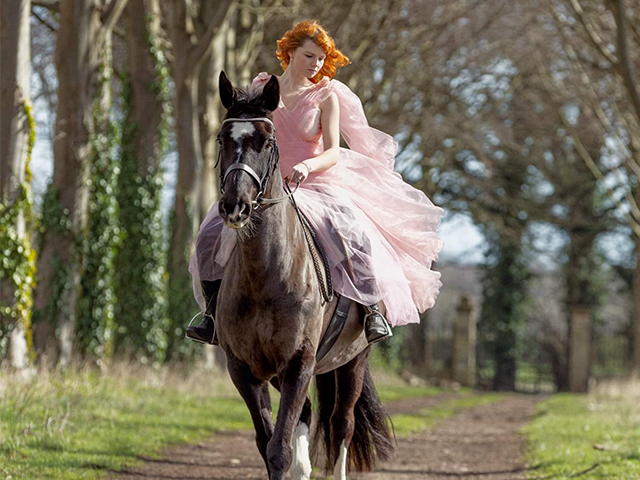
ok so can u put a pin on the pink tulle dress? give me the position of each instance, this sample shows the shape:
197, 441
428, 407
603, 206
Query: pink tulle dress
361, 209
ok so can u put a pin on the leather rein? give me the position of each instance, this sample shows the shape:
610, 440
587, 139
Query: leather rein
326, 287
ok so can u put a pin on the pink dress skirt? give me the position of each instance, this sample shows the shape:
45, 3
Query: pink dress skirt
361, 209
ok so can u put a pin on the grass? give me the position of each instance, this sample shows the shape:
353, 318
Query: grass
572, 433
391, 387
78, 424
530, 377
407, 424
389, 393
83, 423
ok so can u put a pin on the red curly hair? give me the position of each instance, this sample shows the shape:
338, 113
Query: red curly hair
311, 30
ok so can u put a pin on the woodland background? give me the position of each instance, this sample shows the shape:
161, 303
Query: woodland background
521, 115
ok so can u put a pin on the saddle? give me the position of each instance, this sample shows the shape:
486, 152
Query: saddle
343, 335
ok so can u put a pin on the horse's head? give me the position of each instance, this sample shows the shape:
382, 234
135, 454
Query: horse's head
248, 151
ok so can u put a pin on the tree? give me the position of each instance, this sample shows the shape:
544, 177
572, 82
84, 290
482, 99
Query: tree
17, 134
141, 310
600, 45
189, 52
82, 52
235, 49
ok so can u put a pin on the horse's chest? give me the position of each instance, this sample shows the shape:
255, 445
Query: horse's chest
263, 333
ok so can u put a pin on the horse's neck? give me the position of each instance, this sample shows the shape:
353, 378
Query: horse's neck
270, 252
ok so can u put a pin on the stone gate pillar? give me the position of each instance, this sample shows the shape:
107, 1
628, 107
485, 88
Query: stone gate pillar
464, 344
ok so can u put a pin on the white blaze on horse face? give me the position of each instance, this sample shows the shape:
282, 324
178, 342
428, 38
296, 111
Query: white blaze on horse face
239, 130
340, 470
301, 465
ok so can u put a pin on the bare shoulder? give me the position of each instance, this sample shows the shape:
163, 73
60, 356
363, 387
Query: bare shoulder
331, 102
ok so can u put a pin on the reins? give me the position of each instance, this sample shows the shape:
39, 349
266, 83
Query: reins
326, 286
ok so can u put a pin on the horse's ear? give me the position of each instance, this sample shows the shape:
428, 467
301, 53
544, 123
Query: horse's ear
227, 92
270, 96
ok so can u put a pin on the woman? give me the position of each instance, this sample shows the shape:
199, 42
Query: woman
379, 232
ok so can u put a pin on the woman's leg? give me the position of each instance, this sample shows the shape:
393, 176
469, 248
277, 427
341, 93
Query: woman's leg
375, 324
205, 331
207, 276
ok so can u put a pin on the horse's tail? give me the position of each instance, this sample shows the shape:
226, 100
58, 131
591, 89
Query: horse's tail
371, 435
325, 400
372, 439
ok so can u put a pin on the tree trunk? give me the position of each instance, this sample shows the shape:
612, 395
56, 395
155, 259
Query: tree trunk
184, 224
209, 122
141, 312
505, 375
209, 115
416, 345
92, 333
84, 28
636, 308
245, 29
189, 57
504, 290
16, 140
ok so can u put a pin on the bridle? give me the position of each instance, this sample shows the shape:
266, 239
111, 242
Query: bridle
272, 165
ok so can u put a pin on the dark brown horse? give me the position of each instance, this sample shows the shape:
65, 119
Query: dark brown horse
271, 317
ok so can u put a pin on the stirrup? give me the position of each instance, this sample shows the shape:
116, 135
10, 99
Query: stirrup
373, 310
197, 340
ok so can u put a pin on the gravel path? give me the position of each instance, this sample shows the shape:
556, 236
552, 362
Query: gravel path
481, 443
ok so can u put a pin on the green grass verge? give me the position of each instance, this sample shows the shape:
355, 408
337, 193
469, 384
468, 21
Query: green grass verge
407, 424
572, 433
390, 393
76, 425
82, 424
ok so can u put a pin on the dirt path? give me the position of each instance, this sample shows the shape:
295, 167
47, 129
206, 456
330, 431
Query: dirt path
481, 443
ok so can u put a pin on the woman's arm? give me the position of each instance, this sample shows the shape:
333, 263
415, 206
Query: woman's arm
330, 121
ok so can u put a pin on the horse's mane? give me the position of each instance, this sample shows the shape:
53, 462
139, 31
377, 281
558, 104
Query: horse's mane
248, 103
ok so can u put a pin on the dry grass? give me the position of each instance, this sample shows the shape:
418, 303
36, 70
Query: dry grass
627, 388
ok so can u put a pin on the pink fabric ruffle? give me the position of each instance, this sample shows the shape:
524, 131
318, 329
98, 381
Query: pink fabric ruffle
366, 216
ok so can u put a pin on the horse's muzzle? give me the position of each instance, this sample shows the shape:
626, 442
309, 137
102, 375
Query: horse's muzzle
235, 212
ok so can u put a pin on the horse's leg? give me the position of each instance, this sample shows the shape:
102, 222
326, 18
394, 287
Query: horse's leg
256, 395
301, 464
294, 383
349, 382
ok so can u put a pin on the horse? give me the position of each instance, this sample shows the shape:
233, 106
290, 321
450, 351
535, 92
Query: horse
270, 317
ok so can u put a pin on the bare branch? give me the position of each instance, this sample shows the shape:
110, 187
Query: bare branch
44, 21
204, 43
593, 35
634, 218
628, 73
112, 13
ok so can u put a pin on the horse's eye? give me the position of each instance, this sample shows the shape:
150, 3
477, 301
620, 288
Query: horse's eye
218, 140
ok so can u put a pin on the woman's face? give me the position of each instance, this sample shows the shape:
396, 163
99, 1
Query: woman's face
307, 59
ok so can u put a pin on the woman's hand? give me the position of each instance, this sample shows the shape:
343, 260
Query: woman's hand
298, 173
